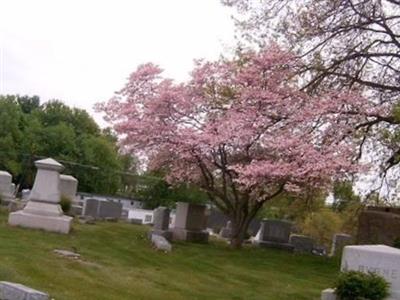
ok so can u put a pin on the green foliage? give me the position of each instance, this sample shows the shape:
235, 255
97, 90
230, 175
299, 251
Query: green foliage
353, 285
154, 192
29, 131
294, 207
322, 225
65, 203
344, 196
396, 243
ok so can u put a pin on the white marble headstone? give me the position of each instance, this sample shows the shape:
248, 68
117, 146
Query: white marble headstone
380, 259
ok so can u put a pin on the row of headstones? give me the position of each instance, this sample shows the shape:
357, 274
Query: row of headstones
68, 187
278, 234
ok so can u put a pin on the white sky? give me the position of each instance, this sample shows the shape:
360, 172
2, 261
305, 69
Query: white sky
82, 51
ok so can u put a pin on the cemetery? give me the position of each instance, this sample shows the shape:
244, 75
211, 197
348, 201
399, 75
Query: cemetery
215, 149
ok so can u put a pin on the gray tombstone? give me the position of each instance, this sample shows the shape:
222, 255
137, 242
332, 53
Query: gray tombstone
161, 218
301, 243
275, 234
15, 291
190, 222
110, 209
226, 232
91, 208
161, 223
102, 209
340, 240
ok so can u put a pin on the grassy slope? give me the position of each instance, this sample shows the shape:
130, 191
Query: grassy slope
120, 264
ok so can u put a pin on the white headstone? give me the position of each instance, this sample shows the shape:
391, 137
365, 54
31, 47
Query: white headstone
380, 259
43, 210
5, 184
68, 186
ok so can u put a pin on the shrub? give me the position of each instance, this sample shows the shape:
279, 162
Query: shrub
353, 285
65, 203
396, 242
322, 225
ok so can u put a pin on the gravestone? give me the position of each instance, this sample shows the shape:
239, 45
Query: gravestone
102, 209
68, 186
340, 240
161, 223
380, 259
15, 291
275, 234
190, 222
301, 243
226, 232
6, 188
328, 294
379, 225
43, 210
160, 243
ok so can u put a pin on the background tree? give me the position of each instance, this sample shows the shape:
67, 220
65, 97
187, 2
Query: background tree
30, 131
239, 129
351, 44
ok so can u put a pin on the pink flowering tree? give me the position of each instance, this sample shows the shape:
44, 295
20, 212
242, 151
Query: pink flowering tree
239, 129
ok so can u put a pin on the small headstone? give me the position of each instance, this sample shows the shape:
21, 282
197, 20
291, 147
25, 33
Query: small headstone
226, 232
6, 188
68, 186
275, 234
380, 259
190, 222
15, 291
161, 222
76, 210
161, 243
340, 240
101, 209
301, 243
328, 294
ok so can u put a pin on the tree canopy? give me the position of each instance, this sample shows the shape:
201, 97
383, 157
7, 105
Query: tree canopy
347, 44
30, 130
240, 129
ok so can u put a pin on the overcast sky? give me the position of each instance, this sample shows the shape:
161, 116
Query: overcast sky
82, 51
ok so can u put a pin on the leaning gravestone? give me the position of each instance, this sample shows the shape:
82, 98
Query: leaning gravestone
161, 223
15, 291
301, 243
43, 210
275, 234
190, 223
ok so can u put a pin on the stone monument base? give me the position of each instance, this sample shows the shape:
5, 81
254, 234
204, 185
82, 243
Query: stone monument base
190, 235
164, 233
276, 245
60, 224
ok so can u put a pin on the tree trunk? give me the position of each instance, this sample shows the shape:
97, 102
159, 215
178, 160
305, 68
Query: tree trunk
239, 230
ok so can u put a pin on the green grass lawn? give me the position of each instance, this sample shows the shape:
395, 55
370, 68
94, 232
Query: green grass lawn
118, 262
